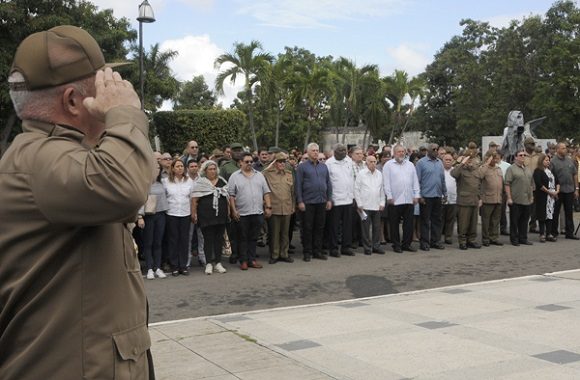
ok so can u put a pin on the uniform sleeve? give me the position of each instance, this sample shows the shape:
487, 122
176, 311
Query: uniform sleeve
508, 177
73, 184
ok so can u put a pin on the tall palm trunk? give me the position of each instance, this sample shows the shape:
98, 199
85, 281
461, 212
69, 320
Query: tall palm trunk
251, 115
277, 126
344, 129
364, 143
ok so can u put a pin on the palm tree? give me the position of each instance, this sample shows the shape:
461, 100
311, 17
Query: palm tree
274, 88
351, 82
160, 84
375, 110
249, 61
398, 87
312, 88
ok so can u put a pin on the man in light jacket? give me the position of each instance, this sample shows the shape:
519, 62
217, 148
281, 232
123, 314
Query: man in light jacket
370, 200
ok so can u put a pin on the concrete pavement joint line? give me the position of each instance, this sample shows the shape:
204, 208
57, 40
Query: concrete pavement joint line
244, 313
273, 348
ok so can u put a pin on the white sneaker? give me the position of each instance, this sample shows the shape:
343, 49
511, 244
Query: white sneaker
208, 269
159, 272
150, 275
219, 268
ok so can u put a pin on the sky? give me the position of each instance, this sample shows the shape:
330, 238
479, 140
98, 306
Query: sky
393, 34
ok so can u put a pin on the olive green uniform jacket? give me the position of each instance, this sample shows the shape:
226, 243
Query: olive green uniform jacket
72, 301
468, 185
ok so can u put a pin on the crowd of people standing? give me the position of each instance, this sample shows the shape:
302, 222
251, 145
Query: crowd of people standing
232, 201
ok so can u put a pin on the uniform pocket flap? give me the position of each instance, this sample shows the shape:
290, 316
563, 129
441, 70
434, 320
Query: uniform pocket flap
131, 344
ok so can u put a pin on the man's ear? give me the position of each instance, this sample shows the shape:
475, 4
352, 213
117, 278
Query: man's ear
72, 101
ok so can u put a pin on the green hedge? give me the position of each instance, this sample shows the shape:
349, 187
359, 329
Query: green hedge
210, 128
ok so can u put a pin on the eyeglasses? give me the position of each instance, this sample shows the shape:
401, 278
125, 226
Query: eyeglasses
321, 159
248, 162
165, 159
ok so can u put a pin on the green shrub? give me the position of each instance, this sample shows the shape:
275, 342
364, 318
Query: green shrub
210, 128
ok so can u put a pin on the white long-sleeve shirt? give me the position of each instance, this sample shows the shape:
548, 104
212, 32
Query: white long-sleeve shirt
451, 187
368, 190
342, 180
401, 182
178, 196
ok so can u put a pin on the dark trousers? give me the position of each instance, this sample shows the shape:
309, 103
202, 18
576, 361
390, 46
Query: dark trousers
567, 200
503, 224
178, 230
278, 241
356, 226
213, 239
250, 226
519, 218
490, 217
340, 216
395, 214
545, 226
233, 229
467, 224
153, 239
313, 220
370, 230
449, 216
430, 221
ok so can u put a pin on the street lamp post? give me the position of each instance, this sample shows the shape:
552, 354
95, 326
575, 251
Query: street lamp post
145, 15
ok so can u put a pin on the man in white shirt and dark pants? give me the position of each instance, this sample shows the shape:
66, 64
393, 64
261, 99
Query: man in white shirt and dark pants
370, 200
341, 174
402, 190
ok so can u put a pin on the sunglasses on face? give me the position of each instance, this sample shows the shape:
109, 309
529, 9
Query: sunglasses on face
247, 162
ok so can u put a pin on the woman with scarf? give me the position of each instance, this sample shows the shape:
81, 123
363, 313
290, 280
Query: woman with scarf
210, 210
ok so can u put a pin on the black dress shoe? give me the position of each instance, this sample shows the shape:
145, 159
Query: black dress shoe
463, 246
437, 246
320, 256
272, 261
397, 250
515, 244
495, 242
334, 253
379, 251
526, 242
448, 241
409, 249
572, 237
367, 253
286, 259
425, 247
306, 258
474, 245
486, 244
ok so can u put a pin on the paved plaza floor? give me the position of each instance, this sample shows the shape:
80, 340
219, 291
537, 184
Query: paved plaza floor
522, 328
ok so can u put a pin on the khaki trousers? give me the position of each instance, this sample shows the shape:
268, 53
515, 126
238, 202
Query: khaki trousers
278, 227
467, 224
490, 219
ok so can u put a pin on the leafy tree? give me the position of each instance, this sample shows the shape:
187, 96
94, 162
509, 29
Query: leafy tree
398, 87
250, 62
195, 94
159, 81
351, 86
21, 18
312, 88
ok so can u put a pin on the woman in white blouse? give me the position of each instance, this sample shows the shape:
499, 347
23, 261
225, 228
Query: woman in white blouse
178, 190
